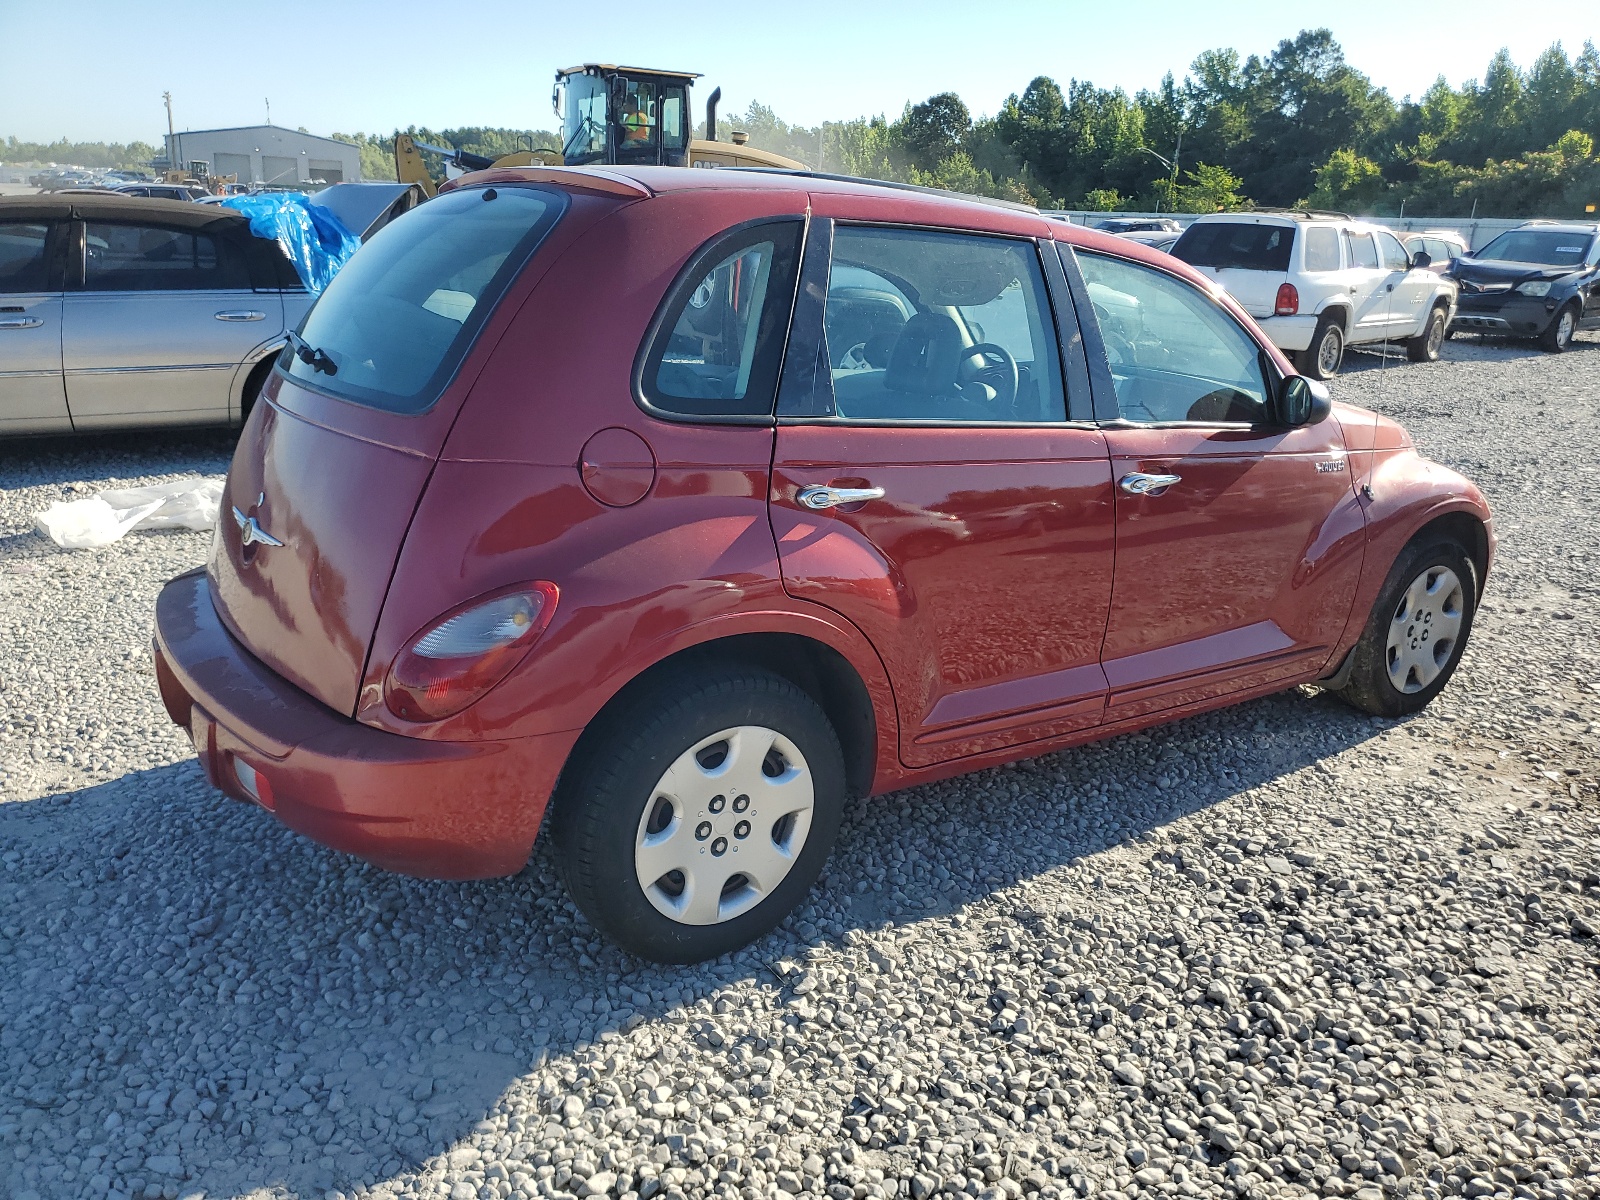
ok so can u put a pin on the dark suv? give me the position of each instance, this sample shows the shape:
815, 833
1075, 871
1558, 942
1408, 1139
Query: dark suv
694, 504
1541, 280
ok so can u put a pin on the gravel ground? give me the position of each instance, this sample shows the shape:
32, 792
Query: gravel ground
1282, 950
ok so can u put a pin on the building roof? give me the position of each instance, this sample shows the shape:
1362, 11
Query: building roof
316, 137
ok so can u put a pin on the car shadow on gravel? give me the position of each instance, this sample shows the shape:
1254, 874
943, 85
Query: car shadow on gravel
193, 996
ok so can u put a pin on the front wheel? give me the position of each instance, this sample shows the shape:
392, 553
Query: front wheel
1426, 345
1417, 631
1558, 336
700, 813
1323, 358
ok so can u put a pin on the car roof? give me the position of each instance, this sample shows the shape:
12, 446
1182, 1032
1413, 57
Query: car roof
1562, 226
110, 206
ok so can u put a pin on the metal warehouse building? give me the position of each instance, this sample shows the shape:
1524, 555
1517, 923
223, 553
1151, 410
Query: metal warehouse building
267, 154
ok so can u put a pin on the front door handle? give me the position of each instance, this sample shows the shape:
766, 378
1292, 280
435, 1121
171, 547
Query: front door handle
1136, 483
831, 497
21, 322
240, 314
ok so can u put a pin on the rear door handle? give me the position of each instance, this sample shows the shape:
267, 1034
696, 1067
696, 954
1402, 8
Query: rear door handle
831, 497
21, 322
240, 314
1137, 483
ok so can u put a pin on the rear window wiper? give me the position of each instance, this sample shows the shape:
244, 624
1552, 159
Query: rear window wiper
314, 358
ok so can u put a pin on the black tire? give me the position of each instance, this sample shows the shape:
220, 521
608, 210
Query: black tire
1558, 334
601, 805
254, 382
1371, 687
1426, 345
1323, 358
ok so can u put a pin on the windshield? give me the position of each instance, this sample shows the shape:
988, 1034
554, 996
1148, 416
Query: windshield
1547, 247
583, 129
1235, 244
396, 321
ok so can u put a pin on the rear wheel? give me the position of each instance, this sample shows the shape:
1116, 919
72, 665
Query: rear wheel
700, 813
1426, 345
1558, 336
1417, 632
254, 382
1323, 358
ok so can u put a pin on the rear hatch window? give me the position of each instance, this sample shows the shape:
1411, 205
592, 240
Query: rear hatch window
395, 323
1236, 245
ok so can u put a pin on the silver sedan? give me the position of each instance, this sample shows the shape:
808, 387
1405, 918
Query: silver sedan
121, 311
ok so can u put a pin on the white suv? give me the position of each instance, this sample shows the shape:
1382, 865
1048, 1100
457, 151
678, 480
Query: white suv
1317, 282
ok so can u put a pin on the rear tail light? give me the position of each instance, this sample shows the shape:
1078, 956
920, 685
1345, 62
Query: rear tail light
466, 652
1288, 302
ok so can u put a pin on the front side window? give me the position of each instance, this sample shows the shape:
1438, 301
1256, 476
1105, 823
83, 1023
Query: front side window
22, 256
1236, 245
394, 324
946, 327
673, 127
1322, 248
719, 342
145, 258
1362, 252
1174, 354
638, 138
583, 127
1395, 257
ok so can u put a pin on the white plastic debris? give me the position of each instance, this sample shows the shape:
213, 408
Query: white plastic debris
101, 519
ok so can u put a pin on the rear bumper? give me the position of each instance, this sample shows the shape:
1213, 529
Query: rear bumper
1289, 333
440, 810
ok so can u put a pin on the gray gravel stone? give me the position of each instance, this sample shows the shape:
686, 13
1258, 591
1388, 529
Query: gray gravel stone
1281, 950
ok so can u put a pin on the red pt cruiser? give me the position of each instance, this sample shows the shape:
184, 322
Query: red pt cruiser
696, 502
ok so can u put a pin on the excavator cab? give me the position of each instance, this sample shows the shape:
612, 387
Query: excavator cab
612, 114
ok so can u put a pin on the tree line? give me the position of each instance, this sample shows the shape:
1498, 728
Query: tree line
1296, 126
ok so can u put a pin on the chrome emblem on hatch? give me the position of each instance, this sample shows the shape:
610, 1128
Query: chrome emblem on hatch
250, 531
1330, 467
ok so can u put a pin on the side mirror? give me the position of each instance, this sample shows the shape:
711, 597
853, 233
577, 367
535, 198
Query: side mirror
1421, 260
1302, 401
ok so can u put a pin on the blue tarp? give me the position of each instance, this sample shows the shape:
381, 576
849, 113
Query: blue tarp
313, 238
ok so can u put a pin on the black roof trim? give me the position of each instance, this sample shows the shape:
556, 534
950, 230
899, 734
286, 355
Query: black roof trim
114, 206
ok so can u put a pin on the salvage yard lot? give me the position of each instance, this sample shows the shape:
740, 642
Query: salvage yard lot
1284, 949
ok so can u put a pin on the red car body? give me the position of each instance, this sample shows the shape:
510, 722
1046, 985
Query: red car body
1005, 600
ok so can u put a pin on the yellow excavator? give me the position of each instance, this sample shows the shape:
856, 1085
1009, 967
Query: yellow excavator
610, 115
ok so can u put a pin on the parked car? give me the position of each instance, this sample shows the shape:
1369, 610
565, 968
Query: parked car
1162, 240
1139, 225
1541, 280
118, 311
1442, 246
1317, 283
596, 489
162, 191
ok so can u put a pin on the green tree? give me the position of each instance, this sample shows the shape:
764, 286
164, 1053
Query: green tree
1348, 181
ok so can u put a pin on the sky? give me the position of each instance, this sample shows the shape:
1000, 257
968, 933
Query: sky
377, 65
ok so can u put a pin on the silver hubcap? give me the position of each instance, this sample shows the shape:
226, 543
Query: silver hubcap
724, 825
1435, 334
1565, 327
1425, 629
1328, 354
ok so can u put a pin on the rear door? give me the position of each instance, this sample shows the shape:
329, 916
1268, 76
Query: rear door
32, 396
930, 485
159, 321
1238, 541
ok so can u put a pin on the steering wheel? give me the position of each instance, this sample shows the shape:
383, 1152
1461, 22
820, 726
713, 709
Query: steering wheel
995, 367
855, 359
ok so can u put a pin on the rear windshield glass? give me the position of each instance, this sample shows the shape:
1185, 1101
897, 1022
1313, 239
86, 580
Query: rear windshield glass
394, 324
1240, 245
1544, 246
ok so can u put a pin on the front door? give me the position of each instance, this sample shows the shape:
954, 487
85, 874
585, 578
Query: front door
158, 326
1239, 541
928, 485
1369, 297
32, 398
1409, 290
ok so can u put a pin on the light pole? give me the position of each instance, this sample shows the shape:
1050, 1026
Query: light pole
1165, 162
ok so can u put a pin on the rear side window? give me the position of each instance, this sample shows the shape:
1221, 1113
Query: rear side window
148, 258
1362, 252
22, 256
394, 324
1322, 248
1236, 245
718, 344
